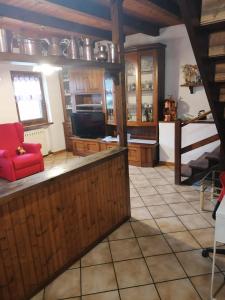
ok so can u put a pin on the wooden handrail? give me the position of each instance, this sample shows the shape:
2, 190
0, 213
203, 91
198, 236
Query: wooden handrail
199, 144
196, 118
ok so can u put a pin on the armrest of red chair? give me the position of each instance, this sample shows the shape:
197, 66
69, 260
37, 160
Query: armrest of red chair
4, 153
32, 148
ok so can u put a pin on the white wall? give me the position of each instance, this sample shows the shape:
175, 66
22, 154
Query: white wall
190, 134
178, 53
8, 112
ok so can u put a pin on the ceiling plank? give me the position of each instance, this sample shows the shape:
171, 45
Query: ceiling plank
37, 18
78, 10
149, 11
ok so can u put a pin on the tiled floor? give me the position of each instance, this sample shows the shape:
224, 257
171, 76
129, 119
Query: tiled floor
156, 255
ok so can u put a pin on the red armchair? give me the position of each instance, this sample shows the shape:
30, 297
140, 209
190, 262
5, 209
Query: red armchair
12, 165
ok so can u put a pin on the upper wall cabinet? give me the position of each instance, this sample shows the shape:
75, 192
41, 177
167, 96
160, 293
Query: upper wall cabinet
145, 80
87, 81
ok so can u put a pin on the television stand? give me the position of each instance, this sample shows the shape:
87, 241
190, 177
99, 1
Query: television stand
141, 153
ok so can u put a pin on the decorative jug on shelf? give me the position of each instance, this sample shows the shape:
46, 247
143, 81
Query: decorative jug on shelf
87, 48
71, 48
54, 46
102, 54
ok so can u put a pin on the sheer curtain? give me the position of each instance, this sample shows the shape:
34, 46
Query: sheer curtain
29, 96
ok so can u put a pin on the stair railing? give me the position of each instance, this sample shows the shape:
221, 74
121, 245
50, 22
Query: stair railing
179, 150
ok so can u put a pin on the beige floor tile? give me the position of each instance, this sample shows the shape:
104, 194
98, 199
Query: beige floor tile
132, 273
134, 170
183, 188
170, 224
113, 295
173, 198
202, 285
161, 211
123, 232
133, 193
165, 267
66, 285
98, 279
99, 255
160, 181
125, 249
136, 202
145, 228
181, 241
153, 245
137, 178
146, 191
147, 292
182, 209
194, 264
180, 289
76, 265
141, 184
208, 217
205, 237
191, 196
140, 213
194, 222
39, 296
165, 189
153, 200
153, 175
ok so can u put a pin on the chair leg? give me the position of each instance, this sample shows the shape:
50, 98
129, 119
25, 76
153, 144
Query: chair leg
202, 196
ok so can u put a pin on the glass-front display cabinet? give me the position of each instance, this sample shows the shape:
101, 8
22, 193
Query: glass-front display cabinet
110, 101
145, 68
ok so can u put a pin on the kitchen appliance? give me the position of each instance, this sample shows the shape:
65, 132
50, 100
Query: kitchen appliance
3, 41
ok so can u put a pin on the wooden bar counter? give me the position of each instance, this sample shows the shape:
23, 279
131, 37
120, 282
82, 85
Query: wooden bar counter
49, 220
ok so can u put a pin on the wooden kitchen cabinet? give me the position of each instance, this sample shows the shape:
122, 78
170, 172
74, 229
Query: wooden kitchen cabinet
86, 81
141, 155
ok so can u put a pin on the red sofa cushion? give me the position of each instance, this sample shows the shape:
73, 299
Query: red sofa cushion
26, 160
9, 138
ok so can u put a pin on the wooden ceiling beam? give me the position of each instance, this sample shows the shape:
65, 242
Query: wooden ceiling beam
37, 18
131, 23
92, 15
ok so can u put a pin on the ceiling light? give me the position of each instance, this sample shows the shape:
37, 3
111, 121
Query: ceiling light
46, 69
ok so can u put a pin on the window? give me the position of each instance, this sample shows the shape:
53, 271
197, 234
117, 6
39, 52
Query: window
29, 95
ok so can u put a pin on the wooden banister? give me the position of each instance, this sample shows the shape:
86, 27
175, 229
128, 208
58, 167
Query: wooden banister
199, 144
178, 141
184, 123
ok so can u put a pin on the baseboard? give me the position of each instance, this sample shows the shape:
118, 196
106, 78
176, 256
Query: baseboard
167, 163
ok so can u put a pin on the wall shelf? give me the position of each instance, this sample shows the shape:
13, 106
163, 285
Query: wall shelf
191, 86
58, 61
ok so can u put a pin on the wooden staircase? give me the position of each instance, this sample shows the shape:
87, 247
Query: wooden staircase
196, 169
211, 63
208, 43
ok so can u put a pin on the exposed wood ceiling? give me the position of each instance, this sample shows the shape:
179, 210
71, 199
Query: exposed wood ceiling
90, 17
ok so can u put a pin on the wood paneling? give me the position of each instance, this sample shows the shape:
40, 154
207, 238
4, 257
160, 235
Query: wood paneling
212, 11
47, 224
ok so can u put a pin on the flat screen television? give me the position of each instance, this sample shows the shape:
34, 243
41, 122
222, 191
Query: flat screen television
88, 124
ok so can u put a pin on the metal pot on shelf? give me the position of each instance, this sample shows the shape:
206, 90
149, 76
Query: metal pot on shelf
4, 47
112, 53
54, 46
88, 52
102, 53
29, 46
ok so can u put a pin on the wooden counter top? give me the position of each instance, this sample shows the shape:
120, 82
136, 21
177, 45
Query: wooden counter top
13, 189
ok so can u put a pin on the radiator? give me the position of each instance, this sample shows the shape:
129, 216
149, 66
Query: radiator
37, 136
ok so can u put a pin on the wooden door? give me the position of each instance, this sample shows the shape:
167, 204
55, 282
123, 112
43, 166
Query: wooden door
79, 81
95, 80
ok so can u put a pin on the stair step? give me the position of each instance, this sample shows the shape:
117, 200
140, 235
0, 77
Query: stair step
200, 164
186, 171
214, 26
216, 58
214, 155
